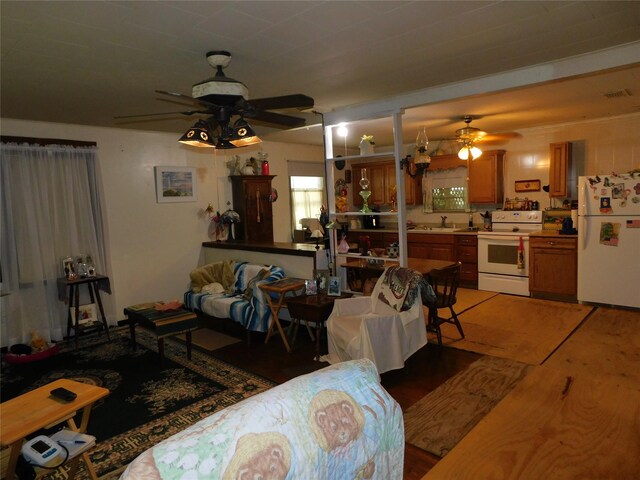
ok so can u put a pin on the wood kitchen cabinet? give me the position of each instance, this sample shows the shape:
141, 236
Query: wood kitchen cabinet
553, 269
252, 201
432, 246
559, 168
485, 178
382, 179
467, 254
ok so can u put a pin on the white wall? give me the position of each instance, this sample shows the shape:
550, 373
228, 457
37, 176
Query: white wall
599, 146
153, 246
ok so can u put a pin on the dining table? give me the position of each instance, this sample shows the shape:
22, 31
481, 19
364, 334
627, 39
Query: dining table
359, 270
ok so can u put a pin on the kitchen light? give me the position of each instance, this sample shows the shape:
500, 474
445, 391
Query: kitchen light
467, 150
343, 131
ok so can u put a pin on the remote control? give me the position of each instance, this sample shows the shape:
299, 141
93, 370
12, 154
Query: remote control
63, 394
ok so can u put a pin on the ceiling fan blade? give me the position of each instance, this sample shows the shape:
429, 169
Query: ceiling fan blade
498, 137
285, 101
276, 119
186, 97
190, 112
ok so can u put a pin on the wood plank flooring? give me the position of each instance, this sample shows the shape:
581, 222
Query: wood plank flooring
539, 412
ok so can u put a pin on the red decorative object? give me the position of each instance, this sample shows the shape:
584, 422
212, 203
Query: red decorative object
265, 167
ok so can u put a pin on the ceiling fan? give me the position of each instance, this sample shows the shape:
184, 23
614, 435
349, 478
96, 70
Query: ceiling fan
469, 136
220, 99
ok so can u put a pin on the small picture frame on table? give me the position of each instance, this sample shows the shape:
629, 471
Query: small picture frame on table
322, 280
335, 288
310, 287
86, 314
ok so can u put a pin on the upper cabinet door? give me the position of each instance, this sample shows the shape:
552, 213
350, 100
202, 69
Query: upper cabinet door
559, 167
485, 178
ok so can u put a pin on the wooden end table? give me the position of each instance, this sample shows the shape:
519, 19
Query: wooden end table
280, 288
312, 308
28, 413
162, 324
70, 289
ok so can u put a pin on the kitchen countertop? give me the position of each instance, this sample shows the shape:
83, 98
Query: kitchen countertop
552, 233
457, 231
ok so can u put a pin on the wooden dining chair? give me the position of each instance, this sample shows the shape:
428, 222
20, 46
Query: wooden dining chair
445, 285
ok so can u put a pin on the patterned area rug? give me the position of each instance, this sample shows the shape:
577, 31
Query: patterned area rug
148, 402
437, 422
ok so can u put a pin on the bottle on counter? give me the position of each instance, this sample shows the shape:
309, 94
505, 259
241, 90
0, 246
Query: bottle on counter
471, 220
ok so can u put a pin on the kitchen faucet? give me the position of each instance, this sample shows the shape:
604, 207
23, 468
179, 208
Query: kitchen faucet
442, 225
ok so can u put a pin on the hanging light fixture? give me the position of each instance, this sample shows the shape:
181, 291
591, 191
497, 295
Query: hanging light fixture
469, 151
423, 160
243, 135
198, 136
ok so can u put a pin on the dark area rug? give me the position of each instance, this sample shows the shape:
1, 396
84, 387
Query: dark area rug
148, 402
437, 422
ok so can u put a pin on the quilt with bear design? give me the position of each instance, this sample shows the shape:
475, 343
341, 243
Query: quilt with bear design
335, 423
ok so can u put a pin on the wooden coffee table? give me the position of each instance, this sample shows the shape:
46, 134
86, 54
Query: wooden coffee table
28, 413
312, 308
162, 324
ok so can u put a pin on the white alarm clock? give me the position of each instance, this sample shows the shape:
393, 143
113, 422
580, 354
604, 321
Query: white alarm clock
43, 451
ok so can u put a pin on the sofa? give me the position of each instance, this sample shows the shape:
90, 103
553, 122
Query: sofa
230, 289
335, 423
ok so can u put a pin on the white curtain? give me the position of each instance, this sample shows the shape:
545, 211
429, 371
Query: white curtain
50, 210
307, 195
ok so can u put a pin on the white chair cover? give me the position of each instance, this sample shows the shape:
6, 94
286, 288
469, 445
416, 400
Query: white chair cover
365, 327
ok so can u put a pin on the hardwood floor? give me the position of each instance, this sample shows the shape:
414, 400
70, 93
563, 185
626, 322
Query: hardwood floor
423, 372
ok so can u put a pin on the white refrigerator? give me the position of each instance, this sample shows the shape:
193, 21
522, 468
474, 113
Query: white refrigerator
609, 240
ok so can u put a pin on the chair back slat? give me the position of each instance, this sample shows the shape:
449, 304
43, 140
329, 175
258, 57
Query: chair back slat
445, 284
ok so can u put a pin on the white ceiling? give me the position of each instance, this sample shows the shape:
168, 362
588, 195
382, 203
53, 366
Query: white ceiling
86, 62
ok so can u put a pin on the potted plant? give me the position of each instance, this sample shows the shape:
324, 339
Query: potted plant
366, 145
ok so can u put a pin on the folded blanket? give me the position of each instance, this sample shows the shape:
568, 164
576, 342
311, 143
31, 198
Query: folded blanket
219, 272
400, 287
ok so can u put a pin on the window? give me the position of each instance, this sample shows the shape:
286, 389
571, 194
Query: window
307, 196
445, 191
448, 198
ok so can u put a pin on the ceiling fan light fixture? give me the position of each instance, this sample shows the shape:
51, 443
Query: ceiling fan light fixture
243, 135
198, 136
469, 151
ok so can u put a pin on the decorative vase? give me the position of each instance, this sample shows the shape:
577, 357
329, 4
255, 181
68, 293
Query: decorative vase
247, 170
365, 193
365, 148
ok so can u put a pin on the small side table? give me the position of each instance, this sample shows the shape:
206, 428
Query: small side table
313, 308
162, 324
280, 288
70, 289
28, 413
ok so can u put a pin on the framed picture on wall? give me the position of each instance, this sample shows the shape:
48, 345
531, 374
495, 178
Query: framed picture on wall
527, 185
176, 184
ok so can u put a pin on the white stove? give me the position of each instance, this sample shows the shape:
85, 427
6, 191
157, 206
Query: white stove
498, 269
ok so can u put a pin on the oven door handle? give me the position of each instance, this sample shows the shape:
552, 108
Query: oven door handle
504, 237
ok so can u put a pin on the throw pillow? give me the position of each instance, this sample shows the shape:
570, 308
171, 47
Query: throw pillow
248, 293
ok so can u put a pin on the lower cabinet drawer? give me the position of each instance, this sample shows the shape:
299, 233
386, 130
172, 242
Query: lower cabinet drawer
467, 254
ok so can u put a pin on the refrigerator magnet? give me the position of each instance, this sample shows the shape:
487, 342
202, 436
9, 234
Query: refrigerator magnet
633, 223
637, 188
609, 234
606, 182
617, 190
605, 205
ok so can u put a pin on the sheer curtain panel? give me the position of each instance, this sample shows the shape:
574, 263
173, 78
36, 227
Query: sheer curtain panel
50, 210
